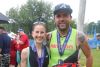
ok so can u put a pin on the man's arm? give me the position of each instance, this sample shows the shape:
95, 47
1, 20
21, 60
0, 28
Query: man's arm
1, 43
20, 42
24, 56
82, 41
1, 46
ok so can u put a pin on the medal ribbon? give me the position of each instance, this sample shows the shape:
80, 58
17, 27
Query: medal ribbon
62, 48
39, 60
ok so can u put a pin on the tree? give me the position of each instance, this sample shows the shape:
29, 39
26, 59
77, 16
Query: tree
30, 12
98, 26
73, 24
91, 27
13, 14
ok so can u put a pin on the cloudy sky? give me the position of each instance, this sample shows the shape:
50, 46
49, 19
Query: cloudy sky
92, 7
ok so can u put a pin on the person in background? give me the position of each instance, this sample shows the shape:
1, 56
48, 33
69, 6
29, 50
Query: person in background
0, 37
65, 42
13, 50
22, 42
5, 42
37, 54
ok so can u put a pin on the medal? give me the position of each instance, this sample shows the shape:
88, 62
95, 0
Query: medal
62, 48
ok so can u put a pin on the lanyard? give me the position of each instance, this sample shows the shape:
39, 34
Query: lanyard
41, 59
62, 48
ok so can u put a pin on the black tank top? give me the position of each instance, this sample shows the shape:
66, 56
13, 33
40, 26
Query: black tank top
33, 58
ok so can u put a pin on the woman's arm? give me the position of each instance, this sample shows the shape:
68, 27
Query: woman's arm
24, 56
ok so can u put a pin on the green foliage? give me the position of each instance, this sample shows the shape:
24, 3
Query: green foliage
90, 28
73, 24
50, 26
98, 26
13, 13
30, 12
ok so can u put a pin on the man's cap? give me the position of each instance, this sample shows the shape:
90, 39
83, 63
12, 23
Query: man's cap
19, 30
62, 8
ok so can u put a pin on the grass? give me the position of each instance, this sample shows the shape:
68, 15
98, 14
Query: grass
96, 58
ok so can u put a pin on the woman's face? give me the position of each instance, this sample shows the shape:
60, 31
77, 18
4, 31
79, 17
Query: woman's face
39, 34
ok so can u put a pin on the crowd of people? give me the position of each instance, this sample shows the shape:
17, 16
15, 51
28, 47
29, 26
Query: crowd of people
11, 46
58, 48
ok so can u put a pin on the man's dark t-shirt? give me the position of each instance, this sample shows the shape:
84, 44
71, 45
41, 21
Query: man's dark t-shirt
5, 42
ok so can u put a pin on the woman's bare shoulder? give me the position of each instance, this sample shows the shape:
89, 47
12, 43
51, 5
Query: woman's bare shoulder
25, 51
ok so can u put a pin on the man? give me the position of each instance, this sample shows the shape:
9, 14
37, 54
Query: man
5, 43
13, 50
22, 39
65, 41
22, 42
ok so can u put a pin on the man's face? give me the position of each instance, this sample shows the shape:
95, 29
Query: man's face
62, 20
20, 33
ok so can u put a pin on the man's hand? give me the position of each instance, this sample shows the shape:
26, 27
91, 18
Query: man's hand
20, 42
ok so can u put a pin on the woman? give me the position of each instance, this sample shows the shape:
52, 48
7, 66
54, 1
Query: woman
37, 54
